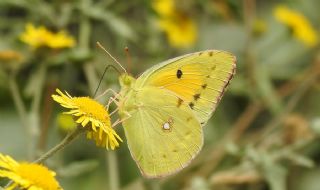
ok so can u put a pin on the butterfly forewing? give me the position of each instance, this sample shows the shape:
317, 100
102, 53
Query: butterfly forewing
198, 79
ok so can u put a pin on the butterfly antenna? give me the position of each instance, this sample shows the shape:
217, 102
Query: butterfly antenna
126, 49
114, 59
104, 72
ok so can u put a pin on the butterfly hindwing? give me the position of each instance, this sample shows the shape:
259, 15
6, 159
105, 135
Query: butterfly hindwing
162, 137
199, 79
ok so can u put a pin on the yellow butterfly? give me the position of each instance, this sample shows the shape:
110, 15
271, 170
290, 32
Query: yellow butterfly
163, 110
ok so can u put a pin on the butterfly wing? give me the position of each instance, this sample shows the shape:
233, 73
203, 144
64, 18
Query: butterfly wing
198, 79
162, 138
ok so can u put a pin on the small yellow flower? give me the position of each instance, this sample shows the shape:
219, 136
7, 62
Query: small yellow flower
35, 37
60, 40
180, 29
10, 55
300, 25
11, 60
163, 7
41, 37
28, 176
88, 110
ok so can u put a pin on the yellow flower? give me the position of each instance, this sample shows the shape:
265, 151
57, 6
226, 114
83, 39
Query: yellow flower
28, 176
163, 7
35, 37
180, 29
10, 55
60, 40
300, 25
88, 110
11, 60
41, 37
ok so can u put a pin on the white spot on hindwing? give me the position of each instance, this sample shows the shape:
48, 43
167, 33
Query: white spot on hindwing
167, 126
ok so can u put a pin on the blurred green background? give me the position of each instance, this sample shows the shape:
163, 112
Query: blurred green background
264, 134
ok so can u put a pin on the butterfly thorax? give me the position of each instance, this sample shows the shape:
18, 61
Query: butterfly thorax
127, 93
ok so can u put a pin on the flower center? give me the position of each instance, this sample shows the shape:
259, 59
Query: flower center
38, 175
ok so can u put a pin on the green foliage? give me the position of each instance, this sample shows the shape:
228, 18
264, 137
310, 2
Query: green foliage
264, 134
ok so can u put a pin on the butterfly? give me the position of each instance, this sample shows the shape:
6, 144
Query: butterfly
164, 110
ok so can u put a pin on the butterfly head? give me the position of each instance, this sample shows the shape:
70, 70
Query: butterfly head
126, 81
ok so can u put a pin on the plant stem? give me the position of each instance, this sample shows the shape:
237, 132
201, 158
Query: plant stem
113, 170
34, 115
22, 112
85, 28
67, 140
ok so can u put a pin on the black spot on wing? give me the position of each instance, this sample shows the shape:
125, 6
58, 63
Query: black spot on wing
180, 101
189, 119
191, 104
196, 97
204, 86
179, 73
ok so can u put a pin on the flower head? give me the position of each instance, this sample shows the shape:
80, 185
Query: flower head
10, 55
42, 37
163, 7
300, 25
11, 60
60, 40
27, 176
88, 111
180, 29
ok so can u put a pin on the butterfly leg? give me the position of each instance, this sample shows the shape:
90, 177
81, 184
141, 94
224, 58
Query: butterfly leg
114, 111
118, 121
114, 93
109, 102
111, 99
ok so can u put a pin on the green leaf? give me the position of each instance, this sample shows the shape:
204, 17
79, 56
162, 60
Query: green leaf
35, 81
78, 168
266, 90
315, 125
274, 173
199, 183
114, 23
301, 160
